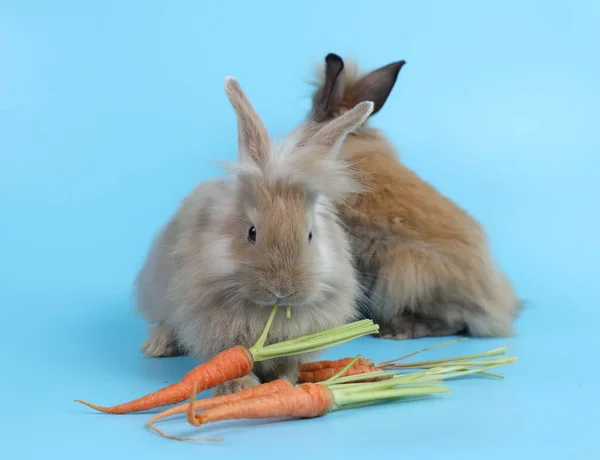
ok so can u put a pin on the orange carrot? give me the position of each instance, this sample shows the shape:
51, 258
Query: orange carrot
204, 404
330, 368
327, 373
307, 401
319, 371
230, 364
304, 401
338, 364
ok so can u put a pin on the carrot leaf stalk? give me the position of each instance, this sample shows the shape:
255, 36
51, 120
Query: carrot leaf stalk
436, 362
410, 355
357, 378
263, 336
343, 371
314, 342
365, 393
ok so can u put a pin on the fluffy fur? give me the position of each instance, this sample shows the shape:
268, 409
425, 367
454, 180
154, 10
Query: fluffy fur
207, 286
425, 263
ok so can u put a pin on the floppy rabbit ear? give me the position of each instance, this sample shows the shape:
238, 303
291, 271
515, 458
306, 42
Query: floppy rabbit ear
377, 85
253, 138
330, 136
332, 90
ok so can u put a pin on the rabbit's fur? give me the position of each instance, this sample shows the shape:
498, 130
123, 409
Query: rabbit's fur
209, 282
424, 262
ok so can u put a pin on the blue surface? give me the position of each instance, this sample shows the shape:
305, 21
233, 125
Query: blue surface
111, 111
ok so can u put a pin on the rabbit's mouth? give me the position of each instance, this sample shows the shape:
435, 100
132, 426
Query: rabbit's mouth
268, 299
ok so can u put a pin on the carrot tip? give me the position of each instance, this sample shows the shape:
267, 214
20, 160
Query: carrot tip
191, 415
93, 406
177, 438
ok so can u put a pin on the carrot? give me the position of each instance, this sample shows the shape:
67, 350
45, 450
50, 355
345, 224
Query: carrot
327, 373
204, 404
230, 364
237, 362
304, 401
322, 372
340, 363
307, 401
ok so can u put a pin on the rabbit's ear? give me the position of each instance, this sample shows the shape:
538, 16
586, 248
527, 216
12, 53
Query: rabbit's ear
253, 138
377, 85
332, 91
330, 136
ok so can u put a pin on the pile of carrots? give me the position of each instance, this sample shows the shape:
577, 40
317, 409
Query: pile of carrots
237, 362
324, 386
356, 381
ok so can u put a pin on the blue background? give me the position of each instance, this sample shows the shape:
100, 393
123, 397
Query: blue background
111, 111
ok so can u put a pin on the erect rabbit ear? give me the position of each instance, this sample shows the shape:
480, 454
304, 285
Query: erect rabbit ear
377, 85
253, 139
330, 136
330, 94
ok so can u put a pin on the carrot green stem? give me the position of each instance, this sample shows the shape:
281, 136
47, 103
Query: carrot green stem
439, 345
435, 362
342, 372
308, 343
263, 337
314, 342
345, 327
350, 379
458, 364
491, 374
452, 375
368, 394
446, 373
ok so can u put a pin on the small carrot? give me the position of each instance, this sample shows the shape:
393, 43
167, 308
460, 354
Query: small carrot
340, 363
230, 364
327, 373
304, 401
209, 403
319, 371
238, 362
307, 401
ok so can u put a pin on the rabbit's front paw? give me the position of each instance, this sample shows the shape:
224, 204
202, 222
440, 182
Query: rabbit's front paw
161, 343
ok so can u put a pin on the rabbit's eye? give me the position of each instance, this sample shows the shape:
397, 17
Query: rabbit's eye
252, 234
309, 237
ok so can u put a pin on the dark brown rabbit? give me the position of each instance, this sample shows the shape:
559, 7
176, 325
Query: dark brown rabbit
425, 263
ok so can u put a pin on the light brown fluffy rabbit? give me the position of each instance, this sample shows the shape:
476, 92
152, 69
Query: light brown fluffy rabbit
425, 263
235, 246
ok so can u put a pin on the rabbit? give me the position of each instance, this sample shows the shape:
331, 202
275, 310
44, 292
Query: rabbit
269, 232
424, 263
